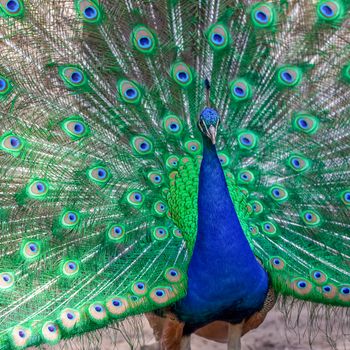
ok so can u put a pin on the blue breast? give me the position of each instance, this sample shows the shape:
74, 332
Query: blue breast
225, 281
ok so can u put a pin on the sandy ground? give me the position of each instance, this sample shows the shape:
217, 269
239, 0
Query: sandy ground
271, 335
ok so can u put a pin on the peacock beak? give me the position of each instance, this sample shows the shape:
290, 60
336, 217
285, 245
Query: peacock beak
212, 132
209, 131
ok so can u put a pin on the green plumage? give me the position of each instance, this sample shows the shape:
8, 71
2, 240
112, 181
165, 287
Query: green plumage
100, 152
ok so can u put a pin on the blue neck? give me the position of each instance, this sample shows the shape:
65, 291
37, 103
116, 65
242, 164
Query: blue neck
223, 272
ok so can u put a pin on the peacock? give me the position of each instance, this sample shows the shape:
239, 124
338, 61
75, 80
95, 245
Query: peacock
188, 158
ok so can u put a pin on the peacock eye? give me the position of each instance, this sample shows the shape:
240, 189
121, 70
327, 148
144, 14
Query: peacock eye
311, 218
298, 163
329, 10
182, 74
173, 275
11, 144
172, 125
115, 233
30, 250
12, 8
75, 127
177, 233
129, 91
141, 145
116, 306
70, 268
193, 147
37, 189
135, 199
99, 175
345, 197
224, 159
218, 36
139, 288
73, 77
155, 178
269, 228
5, 86
7, 280
247, 140
289, 76
89, 11
305, 123
69, 219
159, 208
278, 193
97, 313
245, 177
263, 15
160, 233
240, 90
143, 40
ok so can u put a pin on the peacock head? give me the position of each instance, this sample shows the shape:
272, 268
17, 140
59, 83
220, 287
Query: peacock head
209, 121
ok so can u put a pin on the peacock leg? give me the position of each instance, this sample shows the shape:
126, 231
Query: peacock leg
234, 336
185, 343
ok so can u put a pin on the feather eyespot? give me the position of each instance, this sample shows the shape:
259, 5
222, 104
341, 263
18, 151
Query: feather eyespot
311, 218
277, 263
306, 123
218, 36
117, 306
135, 199
289, 76
301, 286
253, 229
37, 189
172, 125
172, 162
173, 275
177, 233
143, 40
89, 11
329, 10
278, 193
75, 127
245, 177
160, 208
257, 207
160, 233
193, 147
11, 144
70, 268
318, 276
129, 91
344, 293
247, 140
345, 197
97, 313
30, 250
263, 15
7, 280
269, 228
224, 159
298, 163
100, 175
160, 295
240, 90
141, 145
69, 219
73, 77
155, 178
12, 8
20, 336
51, 333
116, 233
139, 288
5, 86
181, 74
69, 319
